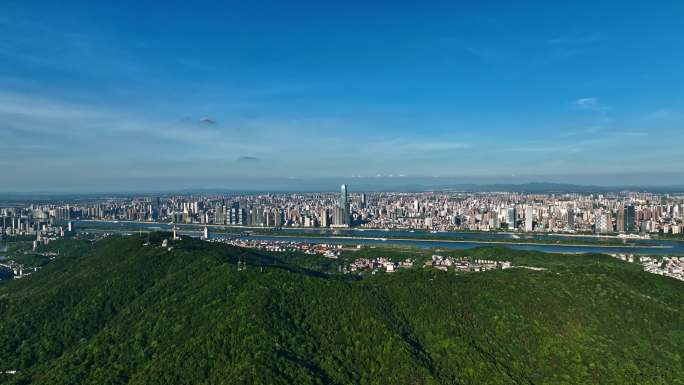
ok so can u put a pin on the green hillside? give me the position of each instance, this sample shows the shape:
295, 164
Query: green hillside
118, 312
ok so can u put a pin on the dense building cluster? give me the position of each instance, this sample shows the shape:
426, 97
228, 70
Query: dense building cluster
620, 212
466, 264
13, 269
326, 250
667, 266
445, 263
46, 220
377, 264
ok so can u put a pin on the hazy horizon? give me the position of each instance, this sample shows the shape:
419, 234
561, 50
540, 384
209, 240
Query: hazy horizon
384, 183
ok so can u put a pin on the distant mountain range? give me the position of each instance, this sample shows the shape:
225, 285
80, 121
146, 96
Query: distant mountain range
355, 185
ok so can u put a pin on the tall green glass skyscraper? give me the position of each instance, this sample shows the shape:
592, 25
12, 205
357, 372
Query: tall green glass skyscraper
630, 219
344, 205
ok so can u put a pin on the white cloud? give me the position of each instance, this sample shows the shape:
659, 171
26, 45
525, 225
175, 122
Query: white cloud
584, 131
430, 146
575, 40
591, 104
49, 120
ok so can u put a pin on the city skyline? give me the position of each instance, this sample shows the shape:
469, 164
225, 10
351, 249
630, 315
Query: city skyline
141, 97
611, 212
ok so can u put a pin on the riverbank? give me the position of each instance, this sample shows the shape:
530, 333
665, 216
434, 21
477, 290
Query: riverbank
450, 241
526, 241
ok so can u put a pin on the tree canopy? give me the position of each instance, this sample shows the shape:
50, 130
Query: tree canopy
118, 312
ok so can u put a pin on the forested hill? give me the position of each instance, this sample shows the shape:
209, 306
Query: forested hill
118, 312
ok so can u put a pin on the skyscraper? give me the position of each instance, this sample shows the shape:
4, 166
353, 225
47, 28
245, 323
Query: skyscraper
602, 223
277, 218
511, 218
620, 222
338, 217
344, 205
630, 219
529, 219
324, 218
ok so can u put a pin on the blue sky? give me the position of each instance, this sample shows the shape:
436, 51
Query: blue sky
136, 95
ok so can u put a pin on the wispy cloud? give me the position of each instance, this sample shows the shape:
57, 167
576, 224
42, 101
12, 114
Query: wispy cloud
247, 158
207, 121
561, 49
660, 114
400, 149
481, 50
38, 45
584, 131
629, 134
575, 39
26, 117
430, 146
544, 147
589, 140
590, 104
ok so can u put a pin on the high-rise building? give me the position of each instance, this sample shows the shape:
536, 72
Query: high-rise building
601, 225
344, 205
238, 215
511, 218
571, 217
620, 221
529, 219
220, 214
338, 216
630, 219
277, 218
324, 218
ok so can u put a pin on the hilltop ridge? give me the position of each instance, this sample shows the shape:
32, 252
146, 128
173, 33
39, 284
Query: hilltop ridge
119, 312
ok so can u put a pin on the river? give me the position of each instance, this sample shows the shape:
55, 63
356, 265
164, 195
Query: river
437, 240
